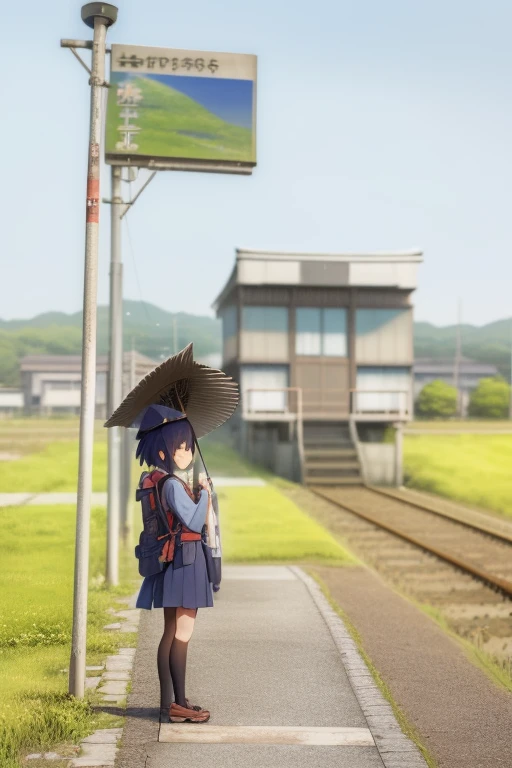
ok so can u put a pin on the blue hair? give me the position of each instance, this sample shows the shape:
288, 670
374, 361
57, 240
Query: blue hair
166, 439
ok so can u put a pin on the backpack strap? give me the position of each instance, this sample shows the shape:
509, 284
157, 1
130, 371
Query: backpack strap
189, 493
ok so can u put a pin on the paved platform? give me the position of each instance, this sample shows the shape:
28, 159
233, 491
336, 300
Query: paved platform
282, 678
100, 499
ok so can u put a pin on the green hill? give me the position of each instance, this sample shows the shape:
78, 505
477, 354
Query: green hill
146, 327
490, 343
174, 125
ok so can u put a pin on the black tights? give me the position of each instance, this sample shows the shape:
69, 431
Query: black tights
172, 663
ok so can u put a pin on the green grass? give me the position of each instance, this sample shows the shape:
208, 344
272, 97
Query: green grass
223, 461
259, 524
54, 468
498, 671
474, 469
466, 425
37, 555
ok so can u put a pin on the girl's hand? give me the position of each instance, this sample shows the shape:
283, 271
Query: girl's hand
203, 482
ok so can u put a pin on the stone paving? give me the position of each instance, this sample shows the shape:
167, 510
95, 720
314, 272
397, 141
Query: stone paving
282, 677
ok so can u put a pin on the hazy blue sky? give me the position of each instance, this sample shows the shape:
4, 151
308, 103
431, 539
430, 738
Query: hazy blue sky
381, 125
232, 100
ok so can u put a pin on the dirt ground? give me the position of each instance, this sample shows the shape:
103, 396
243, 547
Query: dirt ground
461, 716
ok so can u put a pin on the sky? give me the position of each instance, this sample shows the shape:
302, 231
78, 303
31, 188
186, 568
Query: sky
381, 126
229, 99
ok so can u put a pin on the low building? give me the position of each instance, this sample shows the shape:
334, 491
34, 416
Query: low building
322, 346
465, 379
11, 401
51, 383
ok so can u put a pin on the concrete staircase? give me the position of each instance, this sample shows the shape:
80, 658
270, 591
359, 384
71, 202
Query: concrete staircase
330, 456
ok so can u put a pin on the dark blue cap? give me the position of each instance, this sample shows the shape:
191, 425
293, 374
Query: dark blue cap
155, 416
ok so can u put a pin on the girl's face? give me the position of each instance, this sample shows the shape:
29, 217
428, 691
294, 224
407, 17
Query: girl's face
183, 457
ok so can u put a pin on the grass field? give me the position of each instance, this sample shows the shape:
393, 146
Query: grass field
53, 468
475, 469
262, 525
37, 555
466, 425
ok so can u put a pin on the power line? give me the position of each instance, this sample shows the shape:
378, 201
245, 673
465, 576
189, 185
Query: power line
132, 252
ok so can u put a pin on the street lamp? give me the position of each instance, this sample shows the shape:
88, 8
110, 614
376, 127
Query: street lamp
98, 16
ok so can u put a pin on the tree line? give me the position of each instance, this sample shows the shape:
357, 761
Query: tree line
489, 400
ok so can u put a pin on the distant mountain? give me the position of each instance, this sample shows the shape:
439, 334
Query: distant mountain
149, 329
490, 343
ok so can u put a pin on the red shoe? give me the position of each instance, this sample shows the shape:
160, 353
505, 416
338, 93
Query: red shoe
179, 714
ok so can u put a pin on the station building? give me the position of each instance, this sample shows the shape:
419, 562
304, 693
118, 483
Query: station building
322, 345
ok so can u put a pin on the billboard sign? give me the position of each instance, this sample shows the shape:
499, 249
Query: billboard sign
183, 110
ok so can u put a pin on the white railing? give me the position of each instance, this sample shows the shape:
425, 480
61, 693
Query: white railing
297, 403
329, 402
365, 402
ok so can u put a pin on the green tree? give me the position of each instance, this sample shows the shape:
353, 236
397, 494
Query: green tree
9, 361
490, 399
437, 399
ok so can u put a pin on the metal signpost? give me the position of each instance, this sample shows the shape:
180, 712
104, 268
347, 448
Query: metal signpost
99, 16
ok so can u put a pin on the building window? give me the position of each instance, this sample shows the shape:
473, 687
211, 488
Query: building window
264, 388
269, 319
228, 317
321, 332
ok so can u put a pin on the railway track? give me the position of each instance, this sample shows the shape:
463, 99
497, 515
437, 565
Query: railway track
474, 547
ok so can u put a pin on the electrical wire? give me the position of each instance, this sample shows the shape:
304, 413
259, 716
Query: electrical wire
132, 252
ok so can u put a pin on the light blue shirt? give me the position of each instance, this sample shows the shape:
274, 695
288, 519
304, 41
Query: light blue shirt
191, 514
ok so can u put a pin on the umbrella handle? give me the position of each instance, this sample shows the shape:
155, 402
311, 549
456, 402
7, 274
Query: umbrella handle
202, 459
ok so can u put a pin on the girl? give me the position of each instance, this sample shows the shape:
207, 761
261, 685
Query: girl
167, 443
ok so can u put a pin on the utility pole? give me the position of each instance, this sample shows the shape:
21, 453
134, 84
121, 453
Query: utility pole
399, 454
174, 336
458, 352
510, 401
119, 443
127, 493
98, 16
115, 380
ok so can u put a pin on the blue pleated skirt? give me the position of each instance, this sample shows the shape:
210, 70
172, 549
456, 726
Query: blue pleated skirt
183, 587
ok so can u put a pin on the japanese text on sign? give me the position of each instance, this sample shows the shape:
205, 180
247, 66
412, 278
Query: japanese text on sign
141, 60
163, 63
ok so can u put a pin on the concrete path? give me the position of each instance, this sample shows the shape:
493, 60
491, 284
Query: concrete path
100, 499
282, 678
462, 717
